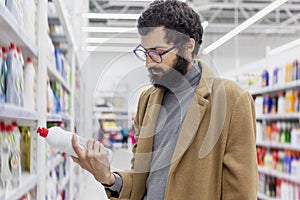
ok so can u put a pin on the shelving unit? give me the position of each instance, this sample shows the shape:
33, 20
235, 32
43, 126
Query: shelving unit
265, 197
15, 112
277, 145
11, 31
29, 181
54, 75
286, 116
280, 175
276, 88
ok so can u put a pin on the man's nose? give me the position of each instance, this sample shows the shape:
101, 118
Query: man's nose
149, 62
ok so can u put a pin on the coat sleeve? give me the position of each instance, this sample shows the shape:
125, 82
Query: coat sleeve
127, 175
240, 165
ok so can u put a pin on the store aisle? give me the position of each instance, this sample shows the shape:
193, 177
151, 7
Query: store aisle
93, 190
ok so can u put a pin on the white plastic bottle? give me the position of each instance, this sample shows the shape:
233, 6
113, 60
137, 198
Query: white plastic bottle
29, 76
2, 78
5, 152
20, 73
61, 139
14, 160
12, 96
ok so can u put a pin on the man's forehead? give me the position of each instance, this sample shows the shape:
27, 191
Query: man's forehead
154, 39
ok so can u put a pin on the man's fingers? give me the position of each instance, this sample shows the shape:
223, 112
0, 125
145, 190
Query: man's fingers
75, 159
78, 150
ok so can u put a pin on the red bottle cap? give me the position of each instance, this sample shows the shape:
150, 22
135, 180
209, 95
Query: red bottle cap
29, 60
14, 123
9, 128
2, 126
19, 50
42, 131
4, 50
12, 46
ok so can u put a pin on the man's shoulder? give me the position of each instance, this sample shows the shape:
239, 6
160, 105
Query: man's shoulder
148, 91
231, 88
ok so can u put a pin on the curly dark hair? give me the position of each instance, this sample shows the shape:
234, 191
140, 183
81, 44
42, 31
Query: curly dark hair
176, 17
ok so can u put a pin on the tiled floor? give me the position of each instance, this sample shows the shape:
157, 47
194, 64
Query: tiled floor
91, 189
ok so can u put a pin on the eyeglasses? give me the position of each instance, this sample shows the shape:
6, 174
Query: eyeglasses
154, 55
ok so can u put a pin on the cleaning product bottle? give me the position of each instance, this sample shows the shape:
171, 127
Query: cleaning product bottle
29, 76
3, 75
5, 152
14, 161
21, 77
61, 139
25, 148
12, 96
2, 88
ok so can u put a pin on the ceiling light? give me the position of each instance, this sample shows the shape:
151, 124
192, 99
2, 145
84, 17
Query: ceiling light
110, 16
244, 25
108, 29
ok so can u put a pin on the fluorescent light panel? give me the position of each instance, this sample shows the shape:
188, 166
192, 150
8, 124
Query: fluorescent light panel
110, 16
113, 40
244, 25
108, 29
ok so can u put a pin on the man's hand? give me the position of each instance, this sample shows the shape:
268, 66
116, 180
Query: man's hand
94, 160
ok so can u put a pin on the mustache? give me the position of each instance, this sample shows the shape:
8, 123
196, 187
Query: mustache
155, 69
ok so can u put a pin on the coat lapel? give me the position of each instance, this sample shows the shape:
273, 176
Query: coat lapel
145, 143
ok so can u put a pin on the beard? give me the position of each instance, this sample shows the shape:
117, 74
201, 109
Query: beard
172, 78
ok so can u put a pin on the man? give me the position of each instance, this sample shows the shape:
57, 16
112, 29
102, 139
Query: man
195, 132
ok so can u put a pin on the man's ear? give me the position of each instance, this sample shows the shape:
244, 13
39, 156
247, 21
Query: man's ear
190, 46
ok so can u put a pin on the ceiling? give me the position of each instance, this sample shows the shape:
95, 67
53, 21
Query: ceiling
222, 16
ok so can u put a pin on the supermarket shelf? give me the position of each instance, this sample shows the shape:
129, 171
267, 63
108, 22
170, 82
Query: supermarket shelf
63, 183
64, 19
54, 75
278, 116
111, 109
58, 38
109, 117
66, 117
273, 89
15, 112
54, 162
265, 197
278, 145
279, 175
53, 117
12, 31
28, 182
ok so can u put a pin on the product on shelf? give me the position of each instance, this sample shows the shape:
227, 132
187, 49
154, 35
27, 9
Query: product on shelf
278, 188
25, 148
5, 153
265, 78
15, 160
16, 9
12, 96
29, 79
2, 75
61, 139
20, 75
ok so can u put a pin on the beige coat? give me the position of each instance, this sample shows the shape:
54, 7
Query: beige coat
215, 155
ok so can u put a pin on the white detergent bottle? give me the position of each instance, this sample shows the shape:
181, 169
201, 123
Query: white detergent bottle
5, 152
21, 78
2, 78
29, 76
14, 160
12, 81
62, 140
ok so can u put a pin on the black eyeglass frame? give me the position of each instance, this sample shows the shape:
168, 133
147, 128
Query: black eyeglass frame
156, 53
